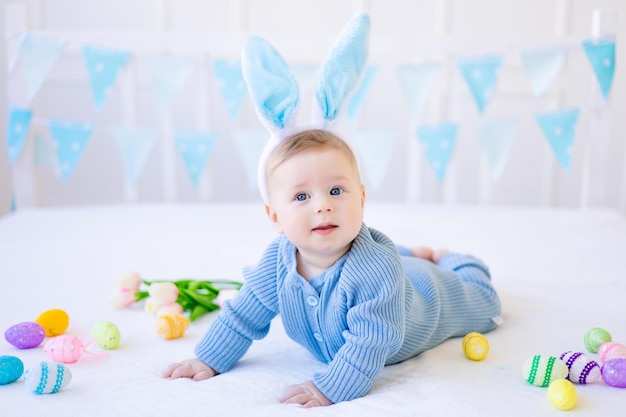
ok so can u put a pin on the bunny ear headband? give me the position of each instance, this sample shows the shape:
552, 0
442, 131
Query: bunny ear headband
274, 89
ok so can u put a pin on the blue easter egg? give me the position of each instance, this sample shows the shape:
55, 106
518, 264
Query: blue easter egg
11, 369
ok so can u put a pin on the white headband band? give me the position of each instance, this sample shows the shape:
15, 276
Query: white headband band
274, 89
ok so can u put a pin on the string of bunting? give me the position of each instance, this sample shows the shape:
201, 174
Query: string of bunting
38, 54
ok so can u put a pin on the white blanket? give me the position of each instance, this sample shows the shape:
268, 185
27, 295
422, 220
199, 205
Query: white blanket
559, 273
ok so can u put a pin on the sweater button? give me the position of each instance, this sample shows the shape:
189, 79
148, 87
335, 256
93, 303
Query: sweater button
312, 300
318, 337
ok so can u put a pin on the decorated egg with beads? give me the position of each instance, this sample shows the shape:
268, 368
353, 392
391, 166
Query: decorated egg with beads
106, 334
540, 370
11, 369
25, 335
55, 322
172, 326
47, 378
611, 350
64, 349
582, 369
614, 372
595, 337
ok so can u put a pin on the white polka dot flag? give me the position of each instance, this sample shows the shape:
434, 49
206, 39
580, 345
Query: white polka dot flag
543, 67
231, 85
70, 140
496, 136
481, 75
438, 143
37, 56
375, 148
417, 81
103, 69
195, 147
135, 144
601, 55
169, 75
17, 131
559, 128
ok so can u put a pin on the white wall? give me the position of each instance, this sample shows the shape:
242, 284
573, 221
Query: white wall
402, 30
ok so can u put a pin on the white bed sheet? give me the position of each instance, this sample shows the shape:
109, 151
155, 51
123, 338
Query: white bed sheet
559, 272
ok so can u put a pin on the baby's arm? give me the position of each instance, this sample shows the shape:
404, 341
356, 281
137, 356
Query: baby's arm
305, 394
190, 368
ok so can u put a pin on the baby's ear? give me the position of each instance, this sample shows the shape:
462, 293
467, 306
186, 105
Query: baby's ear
341, 72
273, 217
272, 86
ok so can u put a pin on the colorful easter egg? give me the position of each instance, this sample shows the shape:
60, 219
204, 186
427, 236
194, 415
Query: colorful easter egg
562, 394
611, 350
475, 346
614, 372
64, 348
55, 322
172, 326
11, 369
25, 335
595, 337
540, 370
106, 334
582, 370
47, 378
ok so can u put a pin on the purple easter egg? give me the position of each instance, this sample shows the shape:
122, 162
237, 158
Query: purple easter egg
25, 335
614, 372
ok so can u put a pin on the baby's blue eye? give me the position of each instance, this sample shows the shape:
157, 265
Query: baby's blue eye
336, 191
301, 197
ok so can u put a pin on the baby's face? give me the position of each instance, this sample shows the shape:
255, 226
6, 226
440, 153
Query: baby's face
317, 200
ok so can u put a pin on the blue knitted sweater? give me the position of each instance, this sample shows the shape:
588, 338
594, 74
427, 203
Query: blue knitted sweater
372, 308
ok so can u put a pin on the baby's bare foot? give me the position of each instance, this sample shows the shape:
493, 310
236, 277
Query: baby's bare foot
438, 254
423, 252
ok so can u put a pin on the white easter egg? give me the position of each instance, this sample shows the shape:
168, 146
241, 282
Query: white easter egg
47, 378
582, 369
540, 370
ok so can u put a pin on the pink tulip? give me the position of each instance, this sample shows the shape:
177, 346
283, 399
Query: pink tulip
163, 293
122, 298
130, 281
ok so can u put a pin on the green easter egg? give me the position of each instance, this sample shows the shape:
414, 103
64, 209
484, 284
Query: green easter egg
595, 337
106, 334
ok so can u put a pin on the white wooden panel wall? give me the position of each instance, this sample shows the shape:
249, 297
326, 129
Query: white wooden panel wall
402, 30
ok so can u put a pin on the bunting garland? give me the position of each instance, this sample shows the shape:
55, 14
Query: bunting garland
135, 144
417, 81
103, 68
543, 67
17, 131
250, 144
481, 75
376, 147
559, 128
169, 74
438, 144
195, 148
358, 99
70, 140
38, 54
497, 137
231, 85
601, 56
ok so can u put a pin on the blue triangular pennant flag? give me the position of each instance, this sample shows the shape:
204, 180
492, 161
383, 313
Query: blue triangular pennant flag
559, 129
103, 68
417, 81
375, 147
250, 144
135, 145
542, 67
358, 99
481, 75
195, 148
438, 144
601, 56
38, 55
231, 84
44, 154
497, 137
70, 140
169, 74
17, 131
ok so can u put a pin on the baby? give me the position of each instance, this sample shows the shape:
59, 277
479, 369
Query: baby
344, 291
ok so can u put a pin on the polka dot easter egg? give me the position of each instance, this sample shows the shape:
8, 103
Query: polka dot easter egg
540, 370
106, 334
55, 322
582, 370
611, 350
562, 394
25, 335
614, 372
47, 378
475, 346
11, 369
595, 337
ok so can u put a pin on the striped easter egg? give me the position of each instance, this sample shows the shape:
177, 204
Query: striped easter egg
611, 350
540, 370
47, 378
582, 370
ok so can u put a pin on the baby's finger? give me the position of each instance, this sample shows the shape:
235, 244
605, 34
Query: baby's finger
203, 374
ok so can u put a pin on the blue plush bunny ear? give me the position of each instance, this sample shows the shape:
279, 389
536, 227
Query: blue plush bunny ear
342, 70
271, 84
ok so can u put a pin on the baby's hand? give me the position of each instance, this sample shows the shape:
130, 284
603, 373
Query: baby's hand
190, 368
305, 394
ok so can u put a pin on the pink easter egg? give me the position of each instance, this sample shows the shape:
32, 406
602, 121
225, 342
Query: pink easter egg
582, 370
25, 335
611, 350
614, 372
64, 349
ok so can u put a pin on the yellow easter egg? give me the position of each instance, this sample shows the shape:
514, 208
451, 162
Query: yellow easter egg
172, 326
562, 394
106, 334
475, 346
54, 322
